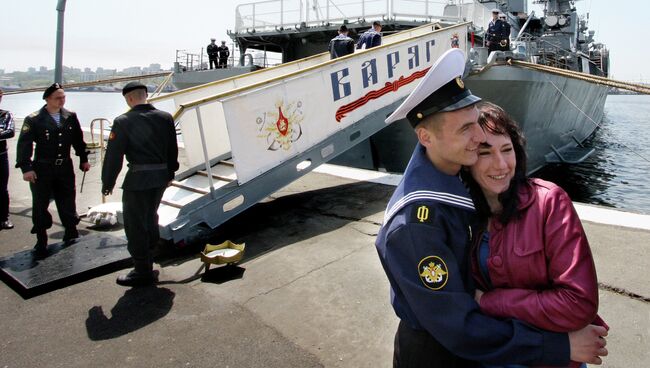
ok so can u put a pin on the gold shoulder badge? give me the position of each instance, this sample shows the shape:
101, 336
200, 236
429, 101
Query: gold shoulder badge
111, 136
25, 128
460, 82
433, 272
422, 215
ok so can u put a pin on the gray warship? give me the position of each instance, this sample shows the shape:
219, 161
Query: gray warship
557, 112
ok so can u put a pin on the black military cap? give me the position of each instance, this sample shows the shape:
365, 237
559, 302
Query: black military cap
51, 89
131, 86
440, 90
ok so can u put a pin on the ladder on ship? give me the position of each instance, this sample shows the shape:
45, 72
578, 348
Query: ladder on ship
248, 136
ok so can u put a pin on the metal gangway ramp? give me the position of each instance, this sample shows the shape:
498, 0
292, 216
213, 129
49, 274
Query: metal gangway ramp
248, 136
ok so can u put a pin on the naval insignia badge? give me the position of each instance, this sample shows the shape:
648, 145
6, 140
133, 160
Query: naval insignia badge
433, 272
460, 82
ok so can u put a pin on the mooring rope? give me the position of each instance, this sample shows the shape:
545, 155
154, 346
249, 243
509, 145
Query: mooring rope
585, 114
639, 88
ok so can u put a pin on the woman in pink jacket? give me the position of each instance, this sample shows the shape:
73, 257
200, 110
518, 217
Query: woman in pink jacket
532, 261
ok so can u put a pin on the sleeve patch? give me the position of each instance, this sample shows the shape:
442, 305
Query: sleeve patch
433, 272
26, 128
421, 214
111, 136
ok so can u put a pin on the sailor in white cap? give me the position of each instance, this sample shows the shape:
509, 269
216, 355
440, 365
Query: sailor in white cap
495, 31
423, 242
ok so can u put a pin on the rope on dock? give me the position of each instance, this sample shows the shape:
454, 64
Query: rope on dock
639, 88
97, 82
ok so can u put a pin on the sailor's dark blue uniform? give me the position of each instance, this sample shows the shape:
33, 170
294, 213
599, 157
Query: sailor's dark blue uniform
423, 247
495, 33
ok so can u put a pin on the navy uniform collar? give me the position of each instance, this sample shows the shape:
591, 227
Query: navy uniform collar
143, 107
422, 181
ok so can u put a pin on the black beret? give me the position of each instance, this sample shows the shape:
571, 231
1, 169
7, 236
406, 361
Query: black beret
131, 86
51, 89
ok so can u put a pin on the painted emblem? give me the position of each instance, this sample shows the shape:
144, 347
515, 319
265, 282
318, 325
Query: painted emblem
282, 126
433, 272
455, 41
460, 82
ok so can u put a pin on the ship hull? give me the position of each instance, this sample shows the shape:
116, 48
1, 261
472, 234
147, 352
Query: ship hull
554, 112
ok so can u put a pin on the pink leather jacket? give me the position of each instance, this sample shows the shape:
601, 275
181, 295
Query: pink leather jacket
540, 265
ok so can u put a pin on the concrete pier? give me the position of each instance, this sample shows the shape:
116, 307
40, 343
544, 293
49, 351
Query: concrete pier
309, 293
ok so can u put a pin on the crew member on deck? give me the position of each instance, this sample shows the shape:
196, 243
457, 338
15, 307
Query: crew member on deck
341, 45
53, 130
223, 55
495, 31
212, 53
504, 44
147, 137
371, 37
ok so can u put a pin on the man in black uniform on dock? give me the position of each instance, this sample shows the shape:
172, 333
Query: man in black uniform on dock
147, 137
224, 53
51, 174
212, 51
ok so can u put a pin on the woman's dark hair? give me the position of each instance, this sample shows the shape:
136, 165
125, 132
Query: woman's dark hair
493, 119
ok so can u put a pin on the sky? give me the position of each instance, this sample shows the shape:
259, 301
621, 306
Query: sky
115, 34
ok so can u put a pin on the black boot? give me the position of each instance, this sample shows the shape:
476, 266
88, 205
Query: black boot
40, 249
135, 278
70, 235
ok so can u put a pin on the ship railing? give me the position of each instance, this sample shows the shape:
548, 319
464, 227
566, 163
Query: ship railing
273, 15
189, 61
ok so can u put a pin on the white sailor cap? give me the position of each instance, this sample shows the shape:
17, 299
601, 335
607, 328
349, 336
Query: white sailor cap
441, 90
496, 10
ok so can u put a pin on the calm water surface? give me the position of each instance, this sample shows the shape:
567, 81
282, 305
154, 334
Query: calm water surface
616, 175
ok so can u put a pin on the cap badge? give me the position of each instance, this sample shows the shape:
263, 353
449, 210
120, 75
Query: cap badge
419, 115
460, 82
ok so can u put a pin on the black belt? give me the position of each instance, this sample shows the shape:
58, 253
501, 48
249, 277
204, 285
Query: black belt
55, 162
147, 167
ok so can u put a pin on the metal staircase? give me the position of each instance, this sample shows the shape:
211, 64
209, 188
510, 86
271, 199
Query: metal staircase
248, 136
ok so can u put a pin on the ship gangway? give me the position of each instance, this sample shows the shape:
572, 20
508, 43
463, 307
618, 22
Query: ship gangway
248, 136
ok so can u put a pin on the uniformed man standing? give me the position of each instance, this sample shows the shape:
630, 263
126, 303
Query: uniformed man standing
341, 45
423, 245
147, 137
6, 132
504, 44
224, 53
53, 130
212, 51
371, 37
495, 31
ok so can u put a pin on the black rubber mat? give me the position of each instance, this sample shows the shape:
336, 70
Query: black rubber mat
90, 256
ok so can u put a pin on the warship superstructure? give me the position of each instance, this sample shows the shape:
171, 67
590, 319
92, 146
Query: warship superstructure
556, 112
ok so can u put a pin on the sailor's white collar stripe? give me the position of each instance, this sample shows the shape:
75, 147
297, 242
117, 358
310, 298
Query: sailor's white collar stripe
442, 197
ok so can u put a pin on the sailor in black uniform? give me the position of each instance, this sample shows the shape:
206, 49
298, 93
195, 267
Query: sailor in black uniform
212, 53
51, 174
423, 244
147, 137
504, 44
495, 31
223, 53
